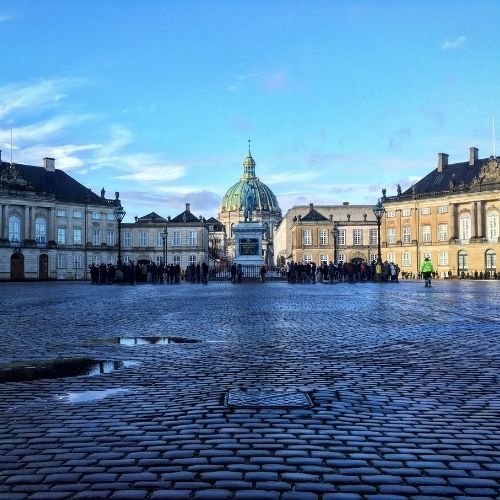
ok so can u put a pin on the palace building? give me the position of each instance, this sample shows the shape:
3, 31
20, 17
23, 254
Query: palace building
51, 226
267, 210
452, 215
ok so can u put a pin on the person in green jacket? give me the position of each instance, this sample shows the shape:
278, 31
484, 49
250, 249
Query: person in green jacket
427, 269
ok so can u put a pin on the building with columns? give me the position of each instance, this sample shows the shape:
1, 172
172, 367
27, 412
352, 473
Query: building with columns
451, 215
51, 226
305, 234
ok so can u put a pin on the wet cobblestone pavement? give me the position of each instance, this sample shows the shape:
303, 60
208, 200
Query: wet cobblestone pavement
403, 383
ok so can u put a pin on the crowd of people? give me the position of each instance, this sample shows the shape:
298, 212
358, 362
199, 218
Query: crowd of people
299, 272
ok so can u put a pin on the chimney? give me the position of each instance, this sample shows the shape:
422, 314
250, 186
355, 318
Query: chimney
442, 161
49, 164
0, 156
473, 156
345, 203
311, 206
188, 207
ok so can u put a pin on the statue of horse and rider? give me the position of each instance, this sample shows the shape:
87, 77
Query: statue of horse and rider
248, 201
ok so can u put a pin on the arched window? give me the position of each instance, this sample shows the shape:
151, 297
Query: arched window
41, 230
492, 230
14, 229
464, 224
463, 262
491, 260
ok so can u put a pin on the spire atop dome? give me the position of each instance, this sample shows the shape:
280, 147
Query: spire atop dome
248, 165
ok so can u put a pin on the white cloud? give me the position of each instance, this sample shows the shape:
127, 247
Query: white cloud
5, 18
454, 44
16, 97
161, 172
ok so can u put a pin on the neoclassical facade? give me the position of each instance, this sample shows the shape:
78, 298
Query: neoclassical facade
451, 215
305, 234
267, 210
51, 226
181, 240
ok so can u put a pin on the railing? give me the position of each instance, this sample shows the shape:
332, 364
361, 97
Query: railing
223, 272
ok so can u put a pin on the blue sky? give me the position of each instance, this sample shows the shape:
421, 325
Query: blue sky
157, 99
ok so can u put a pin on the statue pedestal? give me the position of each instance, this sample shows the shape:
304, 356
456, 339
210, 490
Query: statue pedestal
248, 243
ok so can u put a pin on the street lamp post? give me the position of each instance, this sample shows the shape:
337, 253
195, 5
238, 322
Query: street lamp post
379, 211
164, 235
335, 233
119, 213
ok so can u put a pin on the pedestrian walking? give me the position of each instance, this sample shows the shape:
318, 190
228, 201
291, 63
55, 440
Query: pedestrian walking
427, 269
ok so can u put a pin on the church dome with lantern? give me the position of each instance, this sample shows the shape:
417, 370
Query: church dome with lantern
265, 200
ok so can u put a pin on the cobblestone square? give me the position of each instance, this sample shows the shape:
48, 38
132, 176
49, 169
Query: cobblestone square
403, 380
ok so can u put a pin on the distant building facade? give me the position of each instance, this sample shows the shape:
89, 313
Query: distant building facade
451, 215
184, 242
267, 210
305, 234
51, 226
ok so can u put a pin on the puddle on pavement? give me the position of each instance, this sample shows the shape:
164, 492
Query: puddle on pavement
89, 396
25, 371
133, 341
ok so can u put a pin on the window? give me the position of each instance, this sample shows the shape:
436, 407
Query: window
406, 259
426, 255
110, 216
373, 237
127, 239
96, 259
464, 224
491, 260
14, 229
126, 259
111, 237
372, 257
176, 260
492, 226
143, 238
307, 259
41, 230
425, 211
96, 215
158, 260
193, 238
61, 213
463, 262
192, 259
341, 257
406, 234
77, 236
323, 237
391, 257
443, 209
78, 261
307, 236
426, 234
443, 258
96, 237
158, 239
61, 261
443, 232
61, 236
77, 214
357, 237
176, 238
391, 236
323, 259
341, 237
391, 214
406, 212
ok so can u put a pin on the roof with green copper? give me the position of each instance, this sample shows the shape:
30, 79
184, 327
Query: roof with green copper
264, 197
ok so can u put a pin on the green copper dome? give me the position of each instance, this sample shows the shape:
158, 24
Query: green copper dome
264, 197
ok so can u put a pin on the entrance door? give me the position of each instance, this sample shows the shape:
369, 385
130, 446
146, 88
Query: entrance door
17, 266
43, 266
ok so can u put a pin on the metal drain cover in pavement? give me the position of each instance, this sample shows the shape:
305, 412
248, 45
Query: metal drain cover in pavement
267, 399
